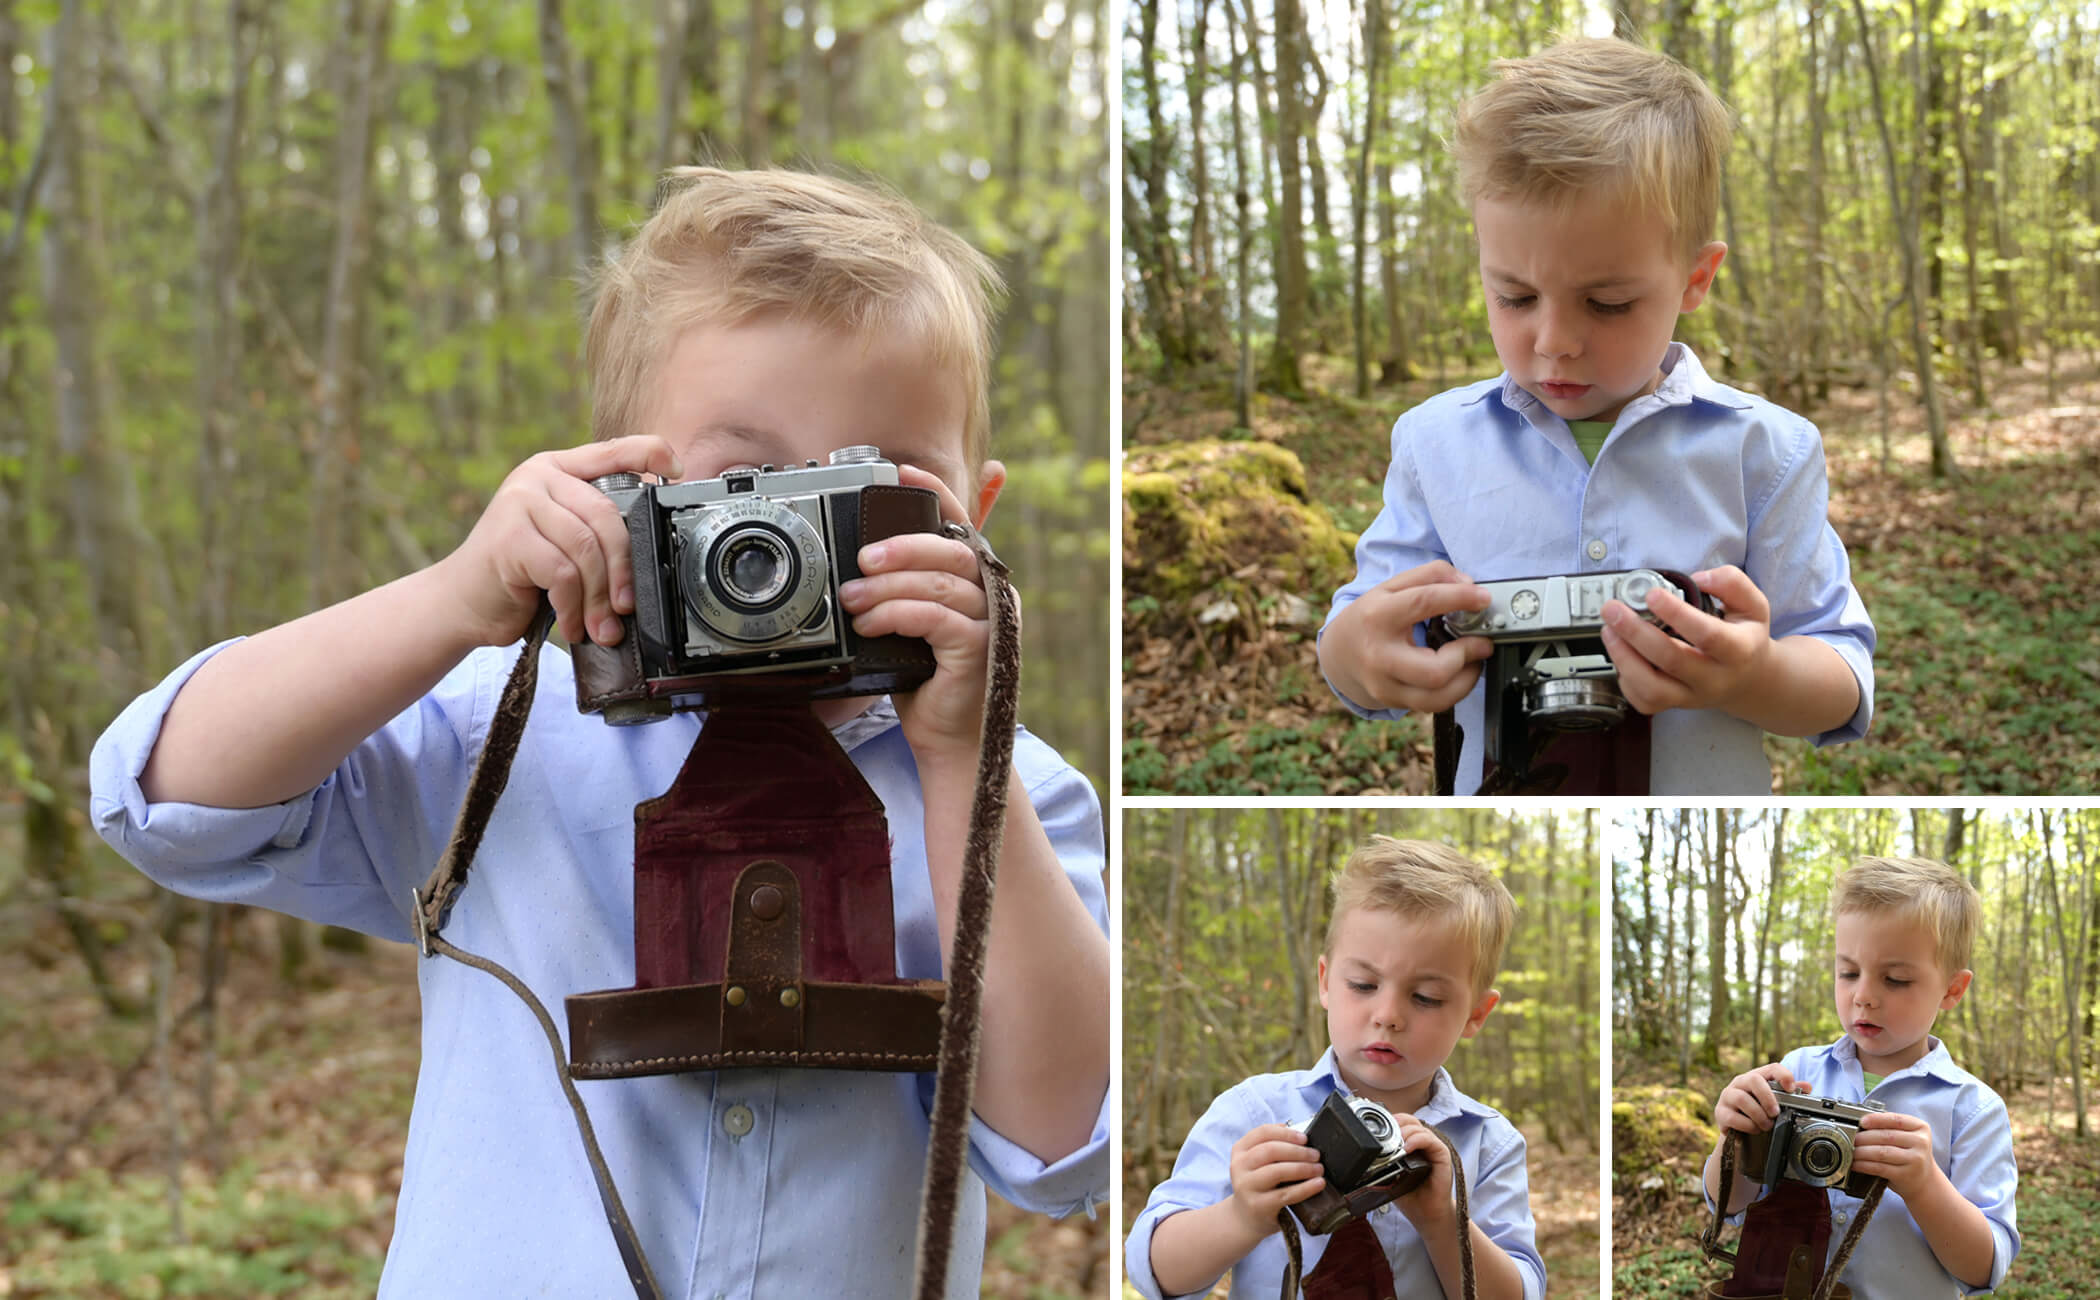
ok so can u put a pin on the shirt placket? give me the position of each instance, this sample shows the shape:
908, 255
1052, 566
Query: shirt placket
741, 1123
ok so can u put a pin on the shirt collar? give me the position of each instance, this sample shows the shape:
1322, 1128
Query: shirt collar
867, 724
1684, 381
1936, 1062
1445, 1100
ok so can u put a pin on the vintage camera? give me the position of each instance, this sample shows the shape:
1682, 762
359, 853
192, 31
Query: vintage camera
1810, 1142
1361, 1158
1550, 668
737, 578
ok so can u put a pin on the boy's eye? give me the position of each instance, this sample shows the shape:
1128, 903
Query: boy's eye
1358, 987
1503, 301
1424, 1000
1899, 984
1610, 308
1848, 974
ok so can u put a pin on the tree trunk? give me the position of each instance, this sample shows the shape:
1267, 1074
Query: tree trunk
1913, 257
1359, 197
1281, 373
575, 148
336, 498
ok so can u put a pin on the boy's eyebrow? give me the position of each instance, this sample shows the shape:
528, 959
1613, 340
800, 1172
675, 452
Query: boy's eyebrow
1421, 977
1609, 282
1887, 965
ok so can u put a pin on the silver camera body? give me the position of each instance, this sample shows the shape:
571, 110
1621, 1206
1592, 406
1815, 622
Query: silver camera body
1811, 1142
1568, 682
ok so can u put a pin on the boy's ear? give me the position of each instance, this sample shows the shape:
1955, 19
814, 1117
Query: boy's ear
1323, 981
1704, 267
1956, 987
1479, 1014
991, 477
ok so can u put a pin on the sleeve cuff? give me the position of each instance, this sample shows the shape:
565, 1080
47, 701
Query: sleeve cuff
1137, 1255
1074, 1183
1860, 661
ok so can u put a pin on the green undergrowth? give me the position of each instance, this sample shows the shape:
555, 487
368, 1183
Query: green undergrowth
2058, 1205
1338, 754
94, 1235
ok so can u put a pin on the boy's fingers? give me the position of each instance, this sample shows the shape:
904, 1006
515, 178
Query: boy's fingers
1688, 621
1733, 588
1300, 1191
545, 566
639, 454
945, 589
579, 543
609, 534
925, 551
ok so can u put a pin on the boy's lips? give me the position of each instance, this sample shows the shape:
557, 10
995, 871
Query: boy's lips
1563, 392
1382, 1053
1866, 1027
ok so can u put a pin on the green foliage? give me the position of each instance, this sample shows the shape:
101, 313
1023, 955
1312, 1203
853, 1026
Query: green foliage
95, 1235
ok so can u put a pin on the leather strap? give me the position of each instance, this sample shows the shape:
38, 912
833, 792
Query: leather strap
947, 1146
1294, 1251
1760, 1264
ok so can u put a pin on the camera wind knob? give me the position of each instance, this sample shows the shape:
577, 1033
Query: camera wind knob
618, 481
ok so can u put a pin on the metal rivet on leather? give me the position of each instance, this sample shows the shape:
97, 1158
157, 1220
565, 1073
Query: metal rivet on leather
735, 996
767, 902
789, 997
738, 1119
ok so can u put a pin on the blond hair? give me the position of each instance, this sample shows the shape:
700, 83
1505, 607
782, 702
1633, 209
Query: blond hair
1916, 889
1417, 878
725, 247
1599, 117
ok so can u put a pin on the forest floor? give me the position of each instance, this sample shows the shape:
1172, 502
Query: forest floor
1655, 1228
1564, 1203
292, 1193
1987, 672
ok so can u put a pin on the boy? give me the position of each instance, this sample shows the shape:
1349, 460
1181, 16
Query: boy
1593, 174
1945, 1226
1412, 946
758, 317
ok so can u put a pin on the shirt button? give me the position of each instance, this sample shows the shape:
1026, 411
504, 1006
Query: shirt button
738, 1120
1596, 548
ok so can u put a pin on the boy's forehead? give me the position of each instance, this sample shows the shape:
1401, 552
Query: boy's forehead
1382, 939
1585, 241
1885, 936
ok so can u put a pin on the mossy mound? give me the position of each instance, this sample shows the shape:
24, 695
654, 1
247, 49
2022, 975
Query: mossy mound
1660, 1138
1226, 518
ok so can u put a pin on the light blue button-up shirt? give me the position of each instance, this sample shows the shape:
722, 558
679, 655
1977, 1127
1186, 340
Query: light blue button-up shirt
1693, 476
1489, 1148
741, 1183
1972, 1143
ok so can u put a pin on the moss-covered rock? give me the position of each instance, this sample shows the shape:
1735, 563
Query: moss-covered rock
1660, 1138
1229, 519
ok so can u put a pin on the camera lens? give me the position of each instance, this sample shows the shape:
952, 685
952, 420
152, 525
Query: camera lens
1821, 1156
753, 568
1375, 1121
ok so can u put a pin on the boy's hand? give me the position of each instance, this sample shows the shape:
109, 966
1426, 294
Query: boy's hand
1369, 651
1898, 1148
1747, 1105
1430, 1204
1272, 1167
927, 586
1715, 659
547, 529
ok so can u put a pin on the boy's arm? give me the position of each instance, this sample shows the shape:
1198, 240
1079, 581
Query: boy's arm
1790, 686
1966, 1211
1043, 1072
269, 718
1506, 1262
1233, 1175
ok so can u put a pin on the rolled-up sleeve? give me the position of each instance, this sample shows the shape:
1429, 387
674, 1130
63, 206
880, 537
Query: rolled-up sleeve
1402, 537
1980, 1156
1202, 1177
341, 854
1070, 813
1797, 560
1499, 1201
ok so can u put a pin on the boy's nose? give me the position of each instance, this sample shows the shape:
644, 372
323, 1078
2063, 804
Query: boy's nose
1556, 336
